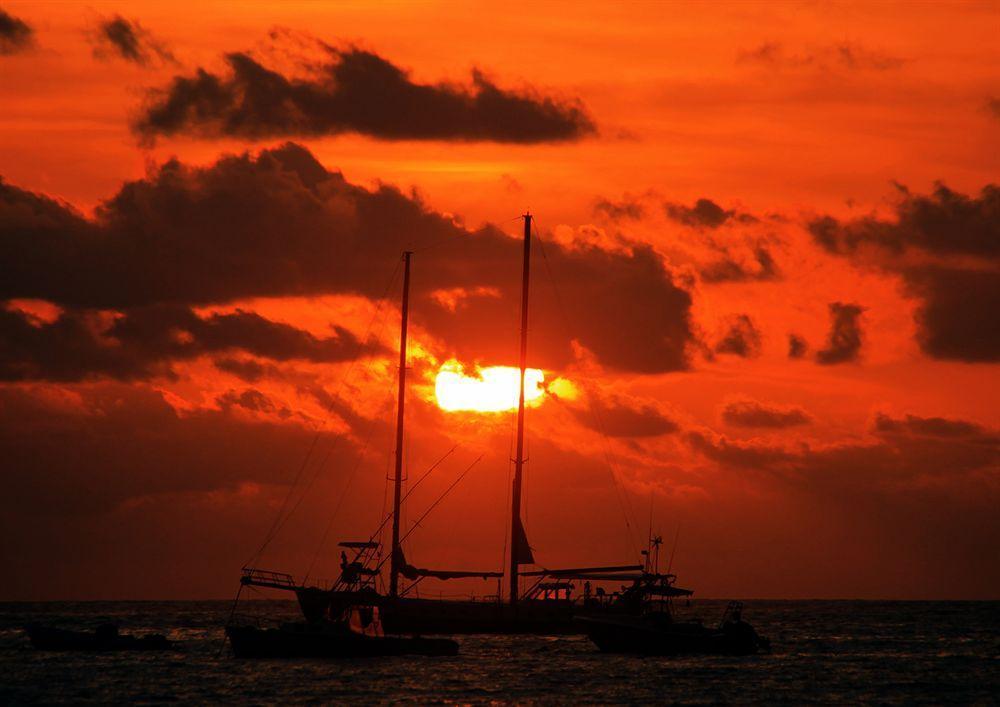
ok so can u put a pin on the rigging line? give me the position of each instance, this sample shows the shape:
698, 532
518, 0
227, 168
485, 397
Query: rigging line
435, 504
619, 492
279, 522
329, 452
276, 525
385, 493
441, 497
284, 504
326, 458
670, 564
609, 458
340, 501
427, 473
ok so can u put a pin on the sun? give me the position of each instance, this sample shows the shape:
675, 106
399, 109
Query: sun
490, 389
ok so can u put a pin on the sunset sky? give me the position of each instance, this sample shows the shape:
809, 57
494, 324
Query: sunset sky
765, 290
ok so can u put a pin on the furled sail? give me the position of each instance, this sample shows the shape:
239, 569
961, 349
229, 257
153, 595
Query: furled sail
414, 573
522, 550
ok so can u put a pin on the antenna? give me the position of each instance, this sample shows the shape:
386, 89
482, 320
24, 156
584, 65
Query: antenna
649, 534
674, 548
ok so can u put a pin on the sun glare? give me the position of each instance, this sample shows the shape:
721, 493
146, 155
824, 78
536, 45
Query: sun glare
491, 389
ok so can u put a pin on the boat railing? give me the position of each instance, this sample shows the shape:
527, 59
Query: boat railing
252, 575
282, 580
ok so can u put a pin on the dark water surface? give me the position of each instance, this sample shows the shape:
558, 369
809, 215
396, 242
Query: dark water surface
824, 652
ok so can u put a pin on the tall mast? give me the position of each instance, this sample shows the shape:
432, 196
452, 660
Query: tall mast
401, 399
516, 531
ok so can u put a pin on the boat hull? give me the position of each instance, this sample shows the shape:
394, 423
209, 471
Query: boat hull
303, 641
448, 617
645, 638
432, 616
47, 638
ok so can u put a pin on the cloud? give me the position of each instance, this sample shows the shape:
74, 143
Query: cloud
253, 400
843, 343
958, 318
128, 40
246, 369
15, 34
620, 416
120, 442
142, 343
903, 452
754, 413
946, 248
354, 91
797, 346
944, 223
704, 214
737, 265
626, 208
359, 424
741, 338
992, 107
279, 224
843, 56
935, 427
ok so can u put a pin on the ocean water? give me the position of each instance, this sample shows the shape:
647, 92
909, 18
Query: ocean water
823, 652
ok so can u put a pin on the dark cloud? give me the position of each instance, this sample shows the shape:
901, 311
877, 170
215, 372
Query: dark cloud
993, 107
253, 400
946, 248
753, 413
126, 442
245, 369
15, 34
704, 214
626, 208
911, 482
958, 318
935, 427
943, 223
843, 343
354, 91
178, 332
741, 338
618, 416
842, 56
797, 346
81, 344
906, 450
280, 224
340, 407
128, 40
760, 267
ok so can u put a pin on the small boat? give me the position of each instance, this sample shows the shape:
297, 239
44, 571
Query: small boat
357, 634
657, 633
104, 638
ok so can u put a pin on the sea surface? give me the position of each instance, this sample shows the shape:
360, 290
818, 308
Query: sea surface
823, 652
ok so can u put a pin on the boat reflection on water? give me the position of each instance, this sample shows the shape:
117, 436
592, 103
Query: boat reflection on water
356, 633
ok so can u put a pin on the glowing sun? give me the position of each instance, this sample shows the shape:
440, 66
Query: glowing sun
491, 389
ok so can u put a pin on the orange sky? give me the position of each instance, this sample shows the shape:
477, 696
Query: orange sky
864, 469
